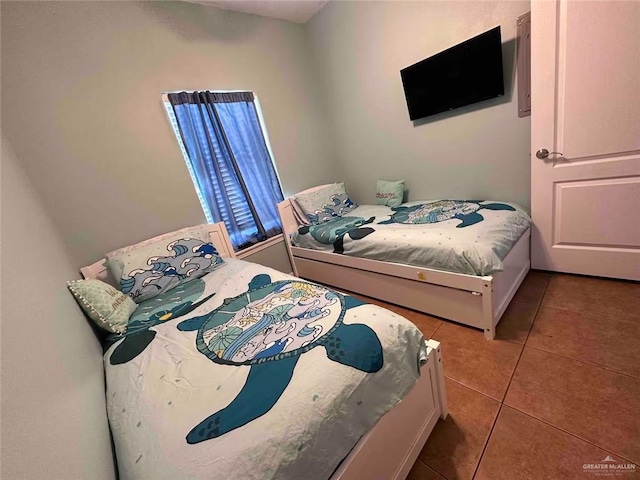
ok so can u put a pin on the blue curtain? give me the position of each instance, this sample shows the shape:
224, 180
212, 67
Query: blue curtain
230, 162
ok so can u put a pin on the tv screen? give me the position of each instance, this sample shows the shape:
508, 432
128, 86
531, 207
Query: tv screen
467, 73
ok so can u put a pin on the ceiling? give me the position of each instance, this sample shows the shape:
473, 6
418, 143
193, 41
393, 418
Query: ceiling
298, 11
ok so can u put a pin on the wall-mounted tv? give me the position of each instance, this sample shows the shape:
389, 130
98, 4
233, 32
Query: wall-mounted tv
466, 73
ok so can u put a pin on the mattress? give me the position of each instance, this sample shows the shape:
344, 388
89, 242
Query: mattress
461, 236
250, 373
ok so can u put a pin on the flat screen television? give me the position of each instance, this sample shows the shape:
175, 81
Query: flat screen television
466, 73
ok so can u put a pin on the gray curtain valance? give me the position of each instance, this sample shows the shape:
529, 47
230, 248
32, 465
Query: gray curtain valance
209, 97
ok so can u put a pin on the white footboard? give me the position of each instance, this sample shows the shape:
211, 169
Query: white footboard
391, 447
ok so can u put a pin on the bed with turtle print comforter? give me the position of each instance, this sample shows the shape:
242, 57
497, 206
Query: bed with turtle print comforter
461, 236
248, 373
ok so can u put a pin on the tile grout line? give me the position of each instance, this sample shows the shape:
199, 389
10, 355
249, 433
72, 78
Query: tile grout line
537, 308
436, 330
634, 320
524, 344
473, 389
430, 468
500, 405
504, 395
555, 353
486, 442
562, 356
570, 433
602, 367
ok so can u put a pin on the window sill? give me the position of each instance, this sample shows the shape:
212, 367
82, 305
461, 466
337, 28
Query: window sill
259, 246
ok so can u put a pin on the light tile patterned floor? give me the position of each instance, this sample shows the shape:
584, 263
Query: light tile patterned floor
559, 387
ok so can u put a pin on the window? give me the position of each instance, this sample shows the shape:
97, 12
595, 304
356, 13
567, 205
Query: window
227, 154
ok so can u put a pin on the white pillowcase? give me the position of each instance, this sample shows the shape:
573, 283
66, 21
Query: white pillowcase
326, 203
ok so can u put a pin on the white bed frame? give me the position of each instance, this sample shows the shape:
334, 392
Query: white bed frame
391, 447
477, 301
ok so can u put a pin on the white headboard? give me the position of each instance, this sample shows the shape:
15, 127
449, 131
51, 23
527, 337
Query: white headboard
289, 221
314, 189
286, 210
219, 238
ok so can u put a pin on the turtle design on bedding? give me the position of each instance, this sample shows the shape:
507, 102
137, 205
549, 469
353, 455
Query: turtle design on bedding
169, 305
268, 328
332, 232
443, 210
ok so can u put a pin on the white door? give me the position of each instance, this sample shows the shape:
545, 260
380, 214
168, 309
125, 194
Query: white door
585, 93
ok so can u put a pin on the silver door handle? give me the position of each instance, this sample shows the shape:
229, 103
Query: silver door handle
544, 153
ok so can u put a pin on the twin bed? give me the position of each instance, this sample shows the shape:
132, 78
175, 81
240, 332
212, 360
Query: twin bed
460, 260
247, 372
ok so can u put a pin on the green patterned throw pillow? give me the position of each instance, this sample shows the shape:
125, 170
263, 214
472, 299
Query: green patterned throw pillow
389, 193
109, 308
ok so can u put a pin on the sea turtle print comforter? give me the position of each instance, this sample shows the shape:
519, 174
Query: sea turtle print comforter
461, 236
253, 374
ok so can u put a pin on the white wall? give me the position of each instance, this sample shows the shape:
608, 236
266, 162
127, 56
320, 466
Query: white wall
81, 105
53, 412
479, 151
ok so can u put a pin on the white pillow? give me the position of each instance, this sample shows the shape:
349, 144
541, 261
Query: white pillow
326, 203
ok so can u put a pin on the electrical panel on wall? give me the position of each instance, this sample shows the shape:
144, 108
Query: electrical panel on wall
524, 64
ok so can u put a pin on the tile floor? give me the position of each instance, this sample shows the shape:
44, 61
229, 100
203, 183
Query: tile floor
558, 388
